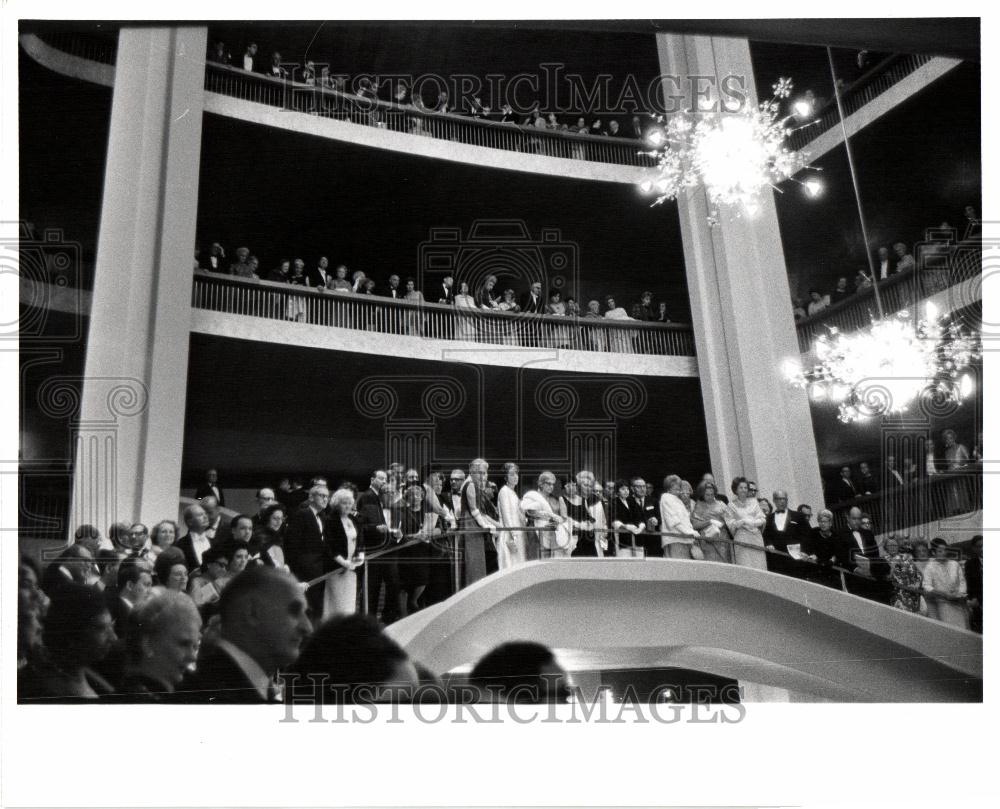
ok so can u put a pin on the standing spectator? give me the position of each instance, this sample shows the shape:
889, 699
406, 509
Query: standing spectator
620, 516
196, 541
709, 519
840, 292
661, 313
886, 264
134, 583
319, 278
248, 57
212, 487
241, 267
218, 53
339, 282
817, 302
554, 534
341, 592
268, 539
619, 340
485, 299
305, 543
823, 548
973, 224
862, 281
893, 476
263, 625
393, 290
675, 519
904, 261
415, 318
213, 262
974, 581
844, 488
956, 456
275, 70
904, 574
281, 274
478, 512
465, 304
446, 294
171, 569
799, 309
945, 588
510, 544
744, 519
296, 309
163, 536
644, 514
532, 302
378, 534
867, 482
783, 528
416, 522
643, 309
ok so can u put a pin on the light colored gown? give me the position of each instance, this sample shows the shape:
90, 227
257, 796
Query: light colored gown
619, 340
749, 514
510, 515
947, 577
340, 597
465, 327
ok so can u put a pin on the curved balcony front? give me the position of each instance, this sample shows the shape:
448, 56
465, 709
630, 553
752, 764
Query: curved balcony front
324, 112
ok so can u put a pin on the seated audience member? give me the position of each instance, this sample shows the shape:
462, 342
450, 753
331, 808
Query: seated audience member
161, 644
171, 570
521, 672
974, 584
78, 634
75, 564
134, 584
90, 537
263, 623
359, 662
904, 261
196, 541
840, 292
163, 536
207, 582
817, 302
945, 589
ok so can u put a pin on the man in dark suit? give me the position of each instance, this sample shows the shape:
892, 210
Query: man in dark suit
264, 622
974, 581
644, 509
393, 290
885, 263
446, 292
782, 528
844, 488
858, 550
134, 584
318, 277
532, 301
377, 535
214, 261
195, 542
211, 487
305, 543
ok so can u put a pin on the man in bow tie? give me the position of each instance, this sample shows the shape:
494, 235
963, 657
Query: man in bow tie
784, 527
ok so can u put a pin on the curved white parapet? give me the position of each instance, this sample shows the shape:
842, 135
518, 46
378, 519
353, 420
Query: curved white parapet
348, 132
807, 641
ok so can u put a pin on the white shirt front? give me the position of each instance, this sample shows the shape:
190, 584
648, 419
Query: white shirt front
780, 520
200, 543
247, 61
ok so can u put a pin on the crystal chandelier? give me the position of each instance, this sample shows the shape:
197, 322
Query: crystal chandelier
732, 155
883, 369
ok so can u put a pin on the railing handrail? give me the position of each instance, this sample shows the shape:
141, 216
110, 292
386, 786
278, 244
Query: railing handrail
856, 297
383, 300
972, 469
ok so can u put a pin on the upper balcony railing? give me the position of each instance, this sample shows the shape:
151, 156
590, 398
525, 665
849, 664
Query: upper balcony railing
375, 313
330, 103
936, 272
864, 90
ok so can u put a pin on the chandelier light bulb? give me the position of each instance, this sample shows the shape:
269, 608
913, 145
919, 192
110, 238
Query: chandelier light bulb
656, 138
966, 386
646, 186
814, 187
802, 108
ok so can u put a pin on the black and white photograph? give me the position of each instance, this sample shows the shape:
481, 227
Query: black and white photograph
423, 390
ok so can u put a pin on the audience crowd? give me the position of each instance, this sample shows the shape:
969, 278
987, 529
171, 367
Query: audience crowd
213, 610
486, 296
888, 262
399, 93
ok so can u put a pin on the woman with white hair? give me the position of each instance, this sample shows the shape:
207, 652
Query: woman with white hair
341, 594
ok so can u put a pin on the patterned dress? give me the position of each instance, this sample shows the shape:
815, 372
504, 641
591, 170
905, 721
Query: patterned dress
904, 573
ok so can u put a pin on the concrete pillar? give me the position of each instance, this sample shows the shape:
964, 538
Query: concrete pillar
131, 422
740, 304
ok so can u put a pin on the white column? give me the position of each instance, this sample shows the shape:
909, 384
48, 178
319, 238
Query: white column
740, 304
131, 424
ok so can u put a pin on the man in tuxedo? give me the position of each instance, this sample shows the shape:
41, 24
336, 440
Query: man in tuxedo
211, 487
456, 480
376, 534
195, 542
893, 476
249, 56
393, 290
886, 263
844, 488
218, 530
643, 512
974, 580
264, 622
446, 293
782, 528
857, 549
531, 301
305, 543
213, 261
867, 482
319, 277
